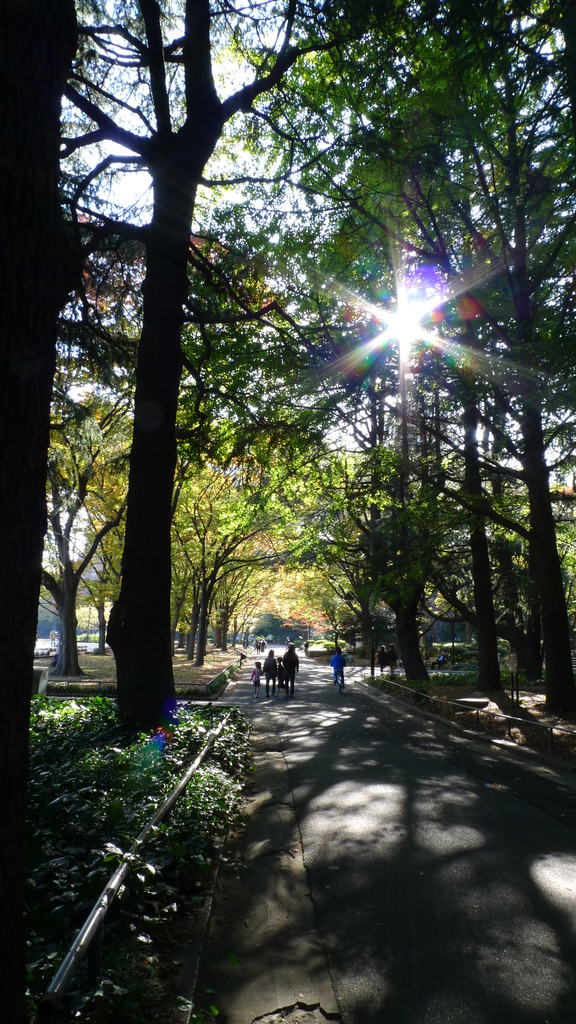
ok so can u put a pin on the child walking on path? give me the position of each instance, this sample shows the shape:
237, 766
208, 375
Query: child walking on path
255, 677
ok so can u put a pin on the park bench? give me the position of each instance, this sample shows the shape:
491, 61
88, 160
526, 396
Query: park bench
472, 703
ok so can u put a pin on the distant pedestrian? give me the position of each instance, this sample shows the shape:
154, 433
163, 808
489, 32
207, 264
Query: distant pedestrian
53, 637
270, 669
382, 659
392, 658
291, 664
337, 663
255, 677
282, 674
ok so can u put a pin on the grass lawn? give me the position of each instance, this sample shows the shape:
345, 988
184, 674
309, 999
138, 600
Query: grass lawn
100, 672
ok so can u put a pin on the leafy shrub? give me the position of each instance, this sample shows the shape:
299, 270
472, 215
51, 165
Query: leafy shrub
93, 786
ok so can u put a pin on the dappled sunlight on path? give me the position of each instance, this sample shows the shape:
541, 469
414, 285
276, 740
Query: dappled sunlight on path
441, 870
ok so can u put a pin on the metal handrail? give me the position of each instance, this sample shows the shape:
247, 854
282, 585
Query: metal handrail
485, 711
93, 926
224, 672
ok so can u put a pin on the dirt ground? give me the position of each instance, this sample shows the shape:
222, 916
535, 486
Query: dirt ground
100, 672
531, 726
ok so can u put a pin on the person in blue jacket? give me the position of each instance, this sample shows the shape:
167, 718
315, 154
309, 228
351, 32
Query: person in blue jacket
337, 662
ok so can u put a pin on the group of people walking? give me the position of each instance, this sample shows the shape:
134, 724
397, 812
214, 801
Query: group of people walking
279, 673
387, 658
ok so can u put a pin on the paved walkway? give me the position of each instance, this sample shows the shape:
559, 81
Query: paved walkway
391, 870
264, 960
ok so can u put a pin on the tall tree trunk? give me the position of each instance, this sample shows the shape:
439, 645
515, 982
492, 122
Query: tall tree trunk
179, 604
37, 43
68, 664
64, 593
101, 610
194, 618
545, 560
202, 622
529, 650
139, 625
225, 627
520, 624
488, 665
406, 615
568, 28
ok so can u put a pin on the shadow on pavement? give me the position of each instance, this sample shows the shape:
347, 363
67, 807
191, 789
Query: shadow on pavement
429, 879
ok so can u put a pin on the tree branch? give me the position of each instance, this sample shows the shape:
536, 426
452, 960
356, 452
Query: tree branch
151, 14
108, 127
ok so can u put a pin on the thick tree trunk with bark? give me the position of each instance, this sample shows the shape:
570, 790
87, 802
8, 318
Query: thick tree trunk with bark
64, 594
194, 619
101, 610
37, 43
178, 606
202, 625
225, 629
68, 664
203, 622
520, 625
568, 28
139, 629
529, 650
406, 615
488, 665
545, 561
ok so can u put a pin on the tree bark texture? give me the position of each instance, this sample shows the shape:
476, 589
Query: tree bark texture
488, 665
101, 610
568, 28
37, 43
194, 619
406, 615
139, 629
520, 625
203, 615
547, 571
68, 663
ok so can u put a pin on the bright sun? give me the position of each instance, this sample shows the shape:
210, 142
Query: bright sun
404, 325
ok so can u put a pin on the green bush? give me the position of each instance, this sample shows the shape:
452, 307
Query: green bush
93, 786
